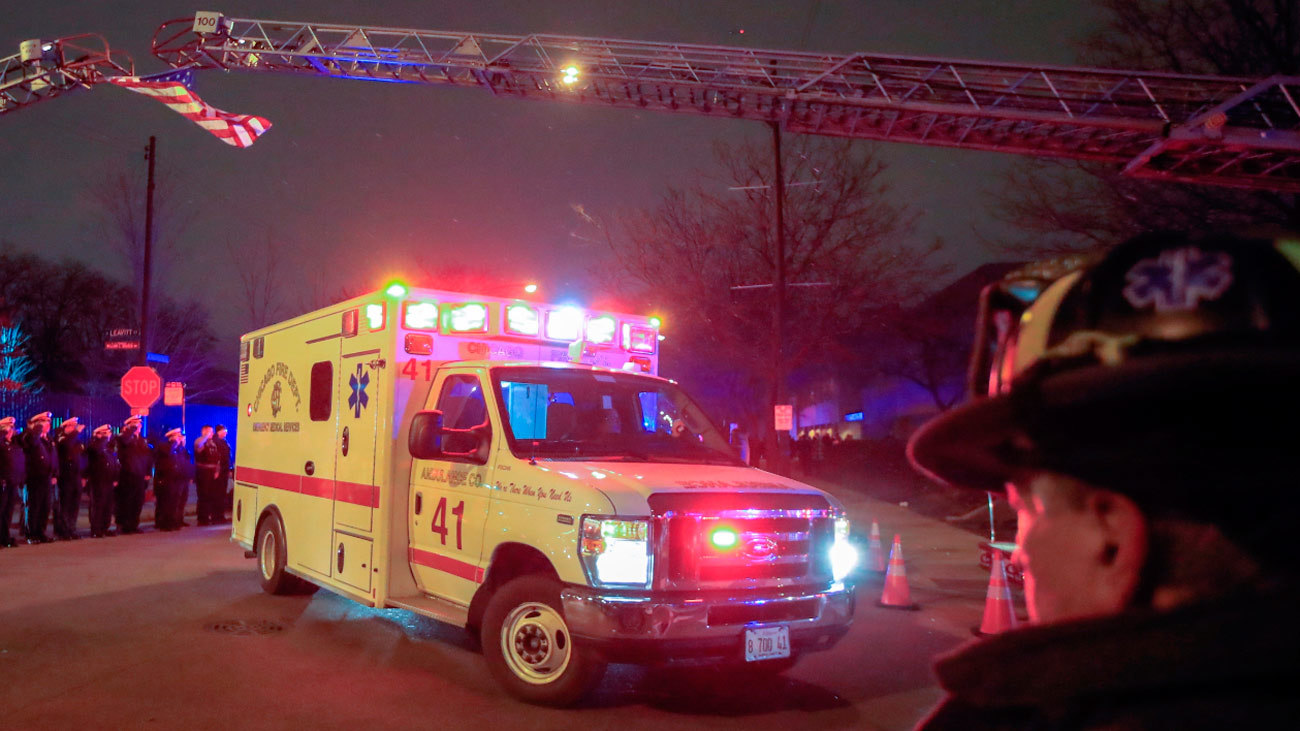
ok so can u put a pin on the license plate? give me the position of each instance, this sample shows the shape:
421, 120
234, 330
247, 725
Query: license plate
767, 643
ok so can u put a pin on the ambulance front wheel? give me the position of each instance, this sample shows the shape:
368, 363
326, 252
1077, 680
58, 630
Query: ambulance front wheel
529, 648
272, 556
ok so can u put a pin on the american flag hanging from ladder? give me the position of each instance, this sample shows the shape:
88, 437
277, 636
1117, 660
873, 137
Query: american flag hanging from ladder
175, 89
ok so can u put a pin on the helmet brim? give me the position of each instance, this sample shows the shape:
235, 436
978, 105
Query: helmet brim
1224, 394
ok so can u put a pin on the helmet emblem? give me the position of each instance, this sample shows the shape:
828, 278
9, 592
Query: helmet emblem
1178, 279
760, 548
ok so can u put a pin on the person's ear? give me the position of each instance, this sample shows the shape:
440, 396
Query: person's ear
1123, 549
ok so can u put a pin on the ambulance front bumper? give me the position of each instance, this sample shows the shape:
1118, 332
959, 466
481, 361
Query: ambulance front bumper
704, 626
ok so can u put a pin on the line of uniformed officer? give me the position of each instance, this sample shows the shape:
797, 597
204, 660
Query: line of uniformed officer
114, 471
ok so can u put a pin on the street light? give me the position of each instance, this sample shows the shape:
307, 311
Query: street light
530, 288
570, 75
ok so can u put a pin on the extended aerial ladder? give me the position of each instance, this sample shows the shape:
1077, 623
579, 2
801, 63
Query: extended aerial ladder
1228, 131
43, 69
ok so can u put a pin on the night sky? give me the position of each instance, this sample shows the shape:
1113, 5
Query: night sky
365, 178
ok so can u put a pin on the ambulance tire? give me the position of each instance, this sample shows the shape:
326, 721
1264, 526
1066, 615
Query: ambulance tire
272, 557
528, 648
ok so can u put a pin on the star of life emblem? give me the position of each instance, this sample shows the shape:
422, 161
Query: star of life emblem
358, 398
1178, 279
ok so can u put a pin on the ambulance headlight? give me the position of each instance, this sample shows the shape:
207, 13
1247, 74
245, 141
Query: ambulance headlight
616, 552
843, 555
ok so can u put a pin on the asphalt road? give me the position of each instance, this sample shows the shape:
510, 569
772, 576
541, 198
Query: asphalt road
171, 630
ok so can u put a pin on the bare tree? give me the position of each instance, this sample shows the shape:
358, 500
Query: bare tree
1063, 206
119, 202
260, 264
928, 349
194, 357
704, 254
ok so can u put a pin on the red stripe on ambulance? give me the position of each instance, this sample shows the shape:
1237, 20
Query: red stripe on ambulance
367, 496
466, 571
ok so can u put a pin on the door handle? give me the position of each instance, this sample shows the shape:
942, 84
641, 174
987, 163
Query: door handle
344, 446
419, 502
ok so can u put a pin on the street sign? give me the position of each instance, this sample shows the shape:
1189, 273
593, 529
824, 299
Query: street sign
141, 387
784, 417
174, 393
122, 338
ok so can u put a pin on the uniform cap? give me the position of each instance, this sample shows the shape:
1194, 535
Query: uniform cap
7, 422
72, 422
173, 432
42, 416
131, 421
102, 429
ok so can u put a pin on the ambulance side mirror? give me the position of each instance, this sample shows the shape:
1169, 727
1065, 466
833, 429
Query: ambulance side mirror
425, 441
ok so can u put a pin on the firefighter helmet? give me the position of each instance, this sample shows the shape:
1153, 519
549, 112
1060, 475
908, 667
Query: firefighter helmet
1169, 362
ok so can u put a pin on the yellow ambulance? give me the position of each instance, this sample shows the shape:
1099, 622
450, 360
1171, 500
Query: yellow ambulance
443, 453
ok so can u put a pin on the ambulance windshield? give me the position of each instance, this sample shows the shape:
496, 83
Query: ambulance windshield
561, 413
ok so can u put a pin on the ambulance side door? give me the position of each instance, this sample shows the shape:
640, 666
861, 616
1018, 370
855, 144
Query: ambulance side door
360, 401
449, 497
307, 515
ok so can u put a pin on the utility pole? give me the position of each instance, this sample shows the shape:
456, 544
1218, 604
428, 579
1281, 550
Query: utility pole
152, 154
776, 460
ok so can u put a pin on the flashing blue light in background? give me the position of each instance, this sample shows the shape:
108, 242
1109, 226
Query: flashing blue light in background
854, 416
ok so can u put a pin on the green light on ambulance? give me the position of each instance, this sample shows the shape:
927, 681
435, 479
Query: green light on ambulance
724, 538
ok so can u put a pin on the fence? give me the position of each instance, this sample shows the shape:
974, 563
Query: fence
89, 410
112, 410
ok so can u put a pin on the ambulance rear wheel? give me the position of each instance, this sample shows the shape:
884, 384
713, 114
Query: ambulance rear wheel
529, 648
272, 557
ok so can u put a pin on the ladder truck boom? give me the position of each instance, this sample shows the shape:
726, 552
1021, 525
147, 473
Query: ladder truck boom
1229, 131
43, 69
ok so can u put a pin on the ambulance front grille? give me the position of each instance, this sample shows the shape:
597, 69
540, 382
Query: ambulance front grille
778, 542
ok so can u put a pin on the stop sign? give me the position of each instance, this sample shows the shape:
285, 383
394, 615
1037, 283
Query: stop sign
141, 387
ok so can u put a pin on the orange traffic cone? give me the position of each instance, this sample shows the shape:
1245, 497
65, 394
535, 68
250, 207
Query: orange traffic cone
999, 614
875, 554
897, 595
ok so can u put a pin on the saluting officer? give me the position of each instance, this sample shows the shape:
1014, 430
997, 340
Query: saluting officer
68, 508
136, 458
223, 473
42, 469
103, 474
206, 470
171, 476
13, 472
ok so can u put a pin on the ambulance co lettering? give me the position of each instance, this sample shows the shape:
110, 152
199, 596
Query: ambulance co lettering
454, 478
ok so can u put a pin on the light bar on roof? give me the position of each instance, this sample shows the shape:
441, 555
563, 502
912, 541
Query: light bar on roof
420, 315
601, 330
521, 319
375, 316
471, 317
639, 338
564, 324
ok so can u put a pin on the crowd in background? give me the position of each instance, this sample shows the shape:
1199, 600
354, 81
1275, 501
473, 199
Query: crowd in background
44, 476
